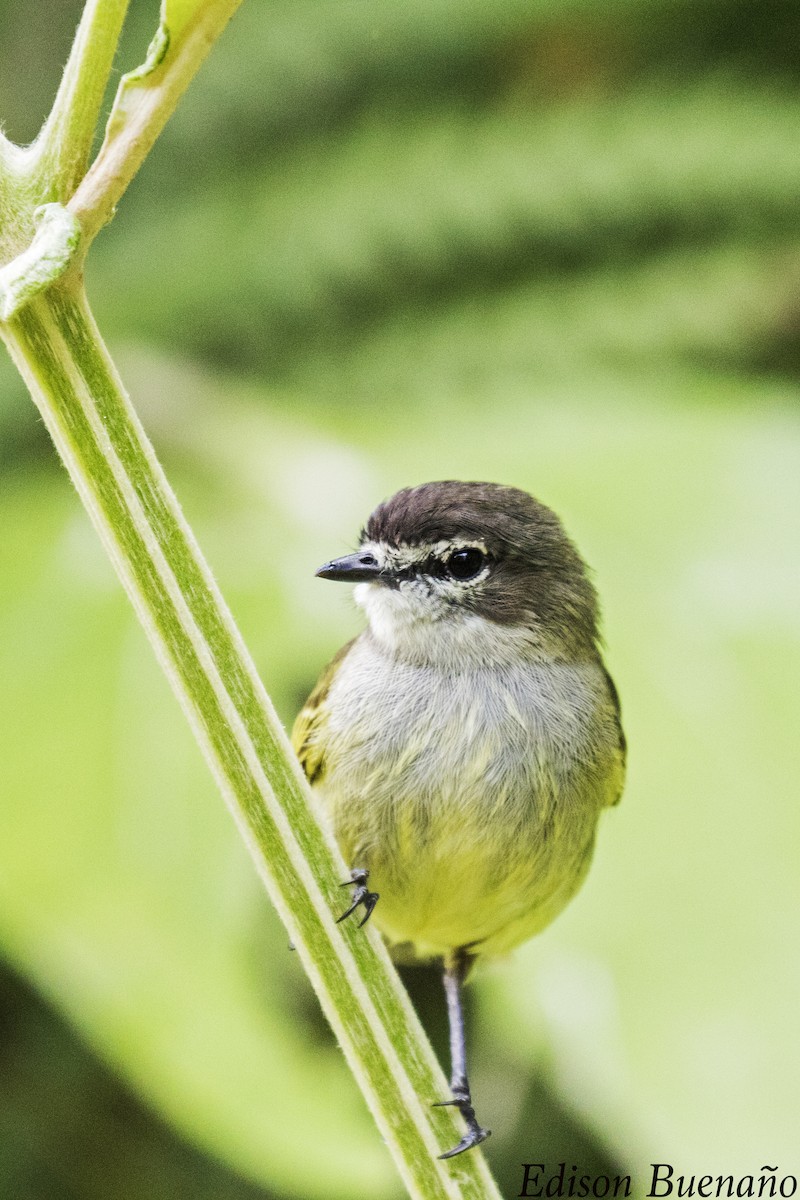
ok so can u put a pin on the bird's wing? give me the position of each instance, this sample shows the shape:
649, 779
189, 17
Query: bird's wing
622, 744
308, 743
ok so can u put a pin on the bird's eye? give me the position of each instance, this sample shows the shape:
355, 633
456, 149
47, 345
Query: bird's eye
466, 564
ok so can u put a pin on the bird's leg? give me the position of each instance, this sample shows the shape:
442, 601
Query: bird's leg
455, 973
361, 895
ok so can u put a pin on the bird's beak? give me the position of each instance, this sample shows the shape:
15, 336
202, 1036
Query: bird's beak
353, 568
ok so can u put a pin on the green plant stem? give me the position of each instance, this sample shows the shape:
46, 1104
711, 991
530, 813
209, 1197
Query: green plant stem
60, 154
58, 349
145, 100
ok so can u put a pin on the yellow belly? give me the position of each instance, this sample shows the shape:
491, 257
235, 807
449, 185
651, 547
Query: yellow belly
462, 872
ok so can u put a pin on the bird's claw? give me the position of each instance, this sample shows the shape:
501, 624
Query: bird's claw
361, 895
475, 1133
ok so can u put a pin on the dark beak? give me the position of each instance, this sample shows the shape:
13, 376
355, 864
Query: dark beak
353, 568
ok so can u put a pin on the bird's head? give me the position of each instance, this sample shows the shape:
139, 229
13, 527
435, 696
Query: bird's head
453, 572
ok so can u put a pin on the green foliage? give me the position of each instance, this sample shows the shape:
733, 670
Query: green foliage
555, 244
399, 216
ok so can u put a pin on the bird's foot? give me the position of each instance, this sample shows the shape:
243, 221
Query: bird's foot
361, 895
475, 1133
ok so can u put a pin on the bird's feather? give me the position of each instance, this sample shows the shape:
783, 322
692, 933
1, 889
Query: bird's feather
308, 730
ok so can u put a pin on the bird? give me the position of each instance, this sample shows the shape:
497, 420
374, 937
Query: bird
464, 744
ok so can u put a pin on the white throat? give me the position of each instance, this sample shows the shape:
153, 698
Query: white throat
414, 624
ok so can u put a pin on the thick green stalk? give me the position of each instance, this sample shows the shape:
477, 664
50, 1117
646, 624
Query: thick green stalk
58, 349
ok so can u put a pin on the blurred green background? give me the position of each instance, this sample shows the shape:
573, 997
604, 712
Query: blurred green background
554, 243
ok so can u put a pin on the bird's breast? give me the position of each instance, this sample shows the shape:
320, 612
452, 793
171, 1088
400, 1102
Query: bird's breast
469, 792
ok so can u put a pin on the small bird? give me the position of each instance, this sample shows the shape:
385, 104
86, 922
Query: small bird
464, 744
